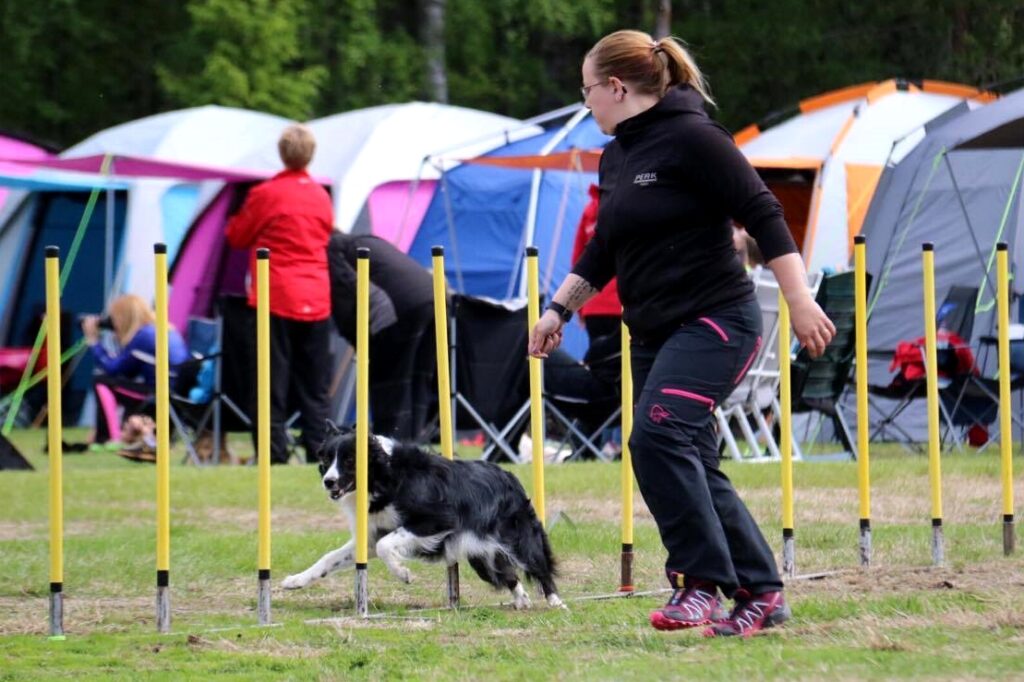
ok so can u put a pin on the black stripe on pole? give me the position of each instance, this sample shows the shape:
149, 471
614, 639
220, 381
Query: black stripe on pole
927, 246
59, 587
163, 578
859, 239
436, 250
262, 254
627, 546
1001, 246
362, 252
787, 532
360, 567
865, 523
160, 248
264, 574
52, 251
1007, 518
531, 251
936, 523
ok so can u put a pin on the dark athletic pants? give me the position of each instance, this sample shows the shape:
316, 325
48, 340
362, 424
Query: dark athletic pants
707, 530
300, 366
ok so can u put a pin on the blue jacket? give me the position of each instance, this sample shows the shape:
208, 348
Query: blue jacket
129, 365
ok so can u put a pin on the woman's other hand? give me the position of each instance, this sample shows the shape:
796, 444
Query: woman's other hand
91, 329
546, 335
813, 328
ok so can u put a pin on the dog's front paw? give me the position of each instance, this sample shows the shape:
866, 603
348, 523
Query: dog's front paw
404, 574
295, 582
520, 600
555, 602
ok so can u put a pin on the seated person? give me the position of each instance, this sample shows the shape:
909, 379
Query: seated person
403, 366
132, 367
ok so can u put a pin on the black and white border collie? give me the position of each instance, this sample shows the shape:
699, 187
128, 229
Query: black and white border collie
423, 506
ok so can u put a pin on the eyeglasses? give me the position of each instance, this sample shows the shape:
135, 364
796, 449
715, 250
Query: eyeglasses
585, 90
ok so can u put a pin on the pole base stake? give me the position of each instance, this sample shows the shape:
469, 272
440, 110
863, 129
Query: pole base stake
453, 586
1009, 537
362, 593
788, 553
938, 548
626, 572
263, 598
56, 615
865, 546
163, 609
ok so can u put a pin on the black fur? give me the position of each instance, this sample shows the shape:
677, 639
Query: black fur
433, 496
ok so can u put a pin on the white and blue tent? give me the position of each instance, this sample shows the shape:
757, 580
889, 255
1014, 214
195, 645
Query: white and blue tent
485, 216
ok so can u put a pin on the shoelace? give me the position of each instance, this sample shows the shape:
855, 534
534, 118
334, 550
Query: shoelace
746, 615
694, 602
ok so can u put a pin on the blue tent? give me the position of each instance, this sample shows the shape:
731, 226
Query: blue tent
485, 217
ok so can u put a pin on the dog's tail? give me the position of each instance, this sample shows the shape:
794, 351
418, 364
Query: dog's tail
534, 551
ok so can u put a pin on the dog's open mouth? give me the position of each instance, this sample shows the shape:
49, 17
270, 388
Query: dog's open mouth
338, 493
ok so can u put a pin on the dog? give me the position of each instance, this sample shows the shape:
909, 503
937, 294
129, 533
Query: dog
423, 506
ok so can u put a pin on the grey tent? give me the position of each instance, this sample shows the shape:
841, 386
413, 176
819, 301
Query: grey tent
959, 188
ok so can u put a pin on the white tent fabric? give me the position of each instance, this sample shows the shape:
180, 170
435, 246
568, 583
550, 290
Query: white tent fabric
361, 150
161, 210
850, 136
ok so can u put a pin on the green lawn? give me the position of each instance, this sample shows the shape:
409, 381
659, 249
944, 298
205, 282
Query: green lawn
900, 619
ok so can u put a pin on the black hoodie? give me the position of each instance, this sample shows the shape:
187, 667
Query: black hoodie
672, 182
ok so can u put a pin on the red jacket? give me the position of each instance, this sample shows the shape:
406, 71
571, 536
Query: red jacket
291, 215
607, 301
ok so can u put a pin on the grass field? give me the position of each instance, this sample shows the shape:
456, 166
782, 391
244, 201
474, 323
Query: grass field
899, 619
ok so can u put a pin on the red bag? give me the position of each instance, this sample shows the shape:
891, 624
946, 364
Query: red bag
954, 357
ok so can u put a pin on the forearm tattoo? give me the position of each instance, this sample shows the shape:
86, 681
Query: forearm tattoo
579, 293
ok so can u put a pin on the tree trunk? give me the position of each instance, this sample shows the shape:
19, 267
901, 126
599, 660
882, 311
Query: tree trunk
663, 25
432, 39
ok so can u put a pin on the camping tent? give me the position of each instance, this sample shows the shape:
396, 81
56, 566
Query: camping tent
13, 147
373, 161
823, 158
374, 158
959, 188
485, 214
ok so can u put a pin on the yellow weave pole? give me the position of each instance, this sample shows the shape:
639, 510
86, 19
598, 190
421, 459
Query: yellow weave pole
263, 435
786, 440
863, 440
536, 386
53, 430
931, 376
444, 392
163, 446
626, 467
1005, 404
362, 424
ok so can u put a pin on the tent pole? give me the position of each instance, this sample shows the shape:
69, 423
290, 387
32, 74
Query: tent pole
970, 227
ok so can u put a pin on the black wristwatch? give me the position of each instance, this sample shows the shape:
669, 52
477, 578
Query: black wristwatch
560, 310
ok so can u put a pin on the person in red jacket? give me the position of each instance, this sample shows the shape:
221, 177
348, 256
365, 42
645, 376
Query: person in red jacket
602, 314
291, 215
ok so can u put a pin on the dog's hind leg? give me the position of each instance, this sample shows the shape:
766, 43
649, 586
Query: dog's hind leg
335, 560
500, 572
402, 544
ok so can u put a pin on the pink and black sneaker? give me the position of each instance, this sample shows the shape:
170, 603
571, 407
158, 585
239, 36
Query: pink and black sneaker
751, 614
693, 604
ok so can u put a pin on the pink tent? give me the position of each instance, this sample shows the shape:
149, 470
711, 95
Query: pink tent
12, 148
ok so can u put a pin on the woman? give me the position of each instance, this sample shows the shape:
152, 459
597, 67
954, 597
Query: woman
129, 376
671, 183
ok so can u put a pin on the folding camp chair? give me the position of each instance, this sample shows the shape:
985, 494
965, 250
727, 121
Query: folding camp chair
489, 370
197, 402
819, 383
955, 315
757, 393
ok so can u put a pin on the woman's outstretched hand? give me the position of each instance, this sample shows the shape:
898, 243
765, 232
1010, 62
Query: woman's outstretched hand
546, 335
813, 328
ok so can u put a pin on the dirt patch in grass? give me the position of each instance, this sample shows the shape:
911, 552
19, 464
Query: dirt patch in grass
287, 519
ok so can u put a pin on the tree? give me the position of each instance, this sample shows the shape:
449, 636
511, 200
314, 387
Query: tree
244, 53
432, 39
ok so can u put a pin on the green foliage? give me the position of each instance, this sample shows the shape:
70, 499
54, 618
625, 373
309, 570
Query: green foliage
72, 67
244, 53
